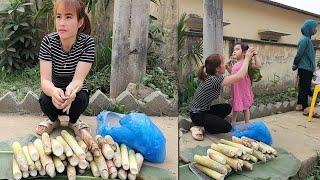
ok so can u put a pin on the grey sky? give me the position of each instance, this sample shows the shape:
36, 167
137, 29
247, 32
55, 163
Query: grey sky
307, 5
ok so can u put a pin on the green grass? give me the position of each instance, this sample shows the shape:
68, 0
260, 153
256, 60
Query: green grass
20, 82
28, 79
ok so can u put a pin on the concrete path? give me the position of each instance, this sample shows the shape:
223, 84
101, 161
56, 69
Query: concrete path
290, 131
15, 125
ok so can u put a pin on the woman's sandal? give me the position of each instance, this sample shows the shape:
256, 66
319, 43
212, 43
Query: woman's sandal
197, 133
78, 126
49, 126
315, 115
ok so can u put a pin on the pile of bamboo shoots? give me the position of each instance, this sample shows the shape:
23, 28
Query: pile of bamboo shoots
48, 156
227, 156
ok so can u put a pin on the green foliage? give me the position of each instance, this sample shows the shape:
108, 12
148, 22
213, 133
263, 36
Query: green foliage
254, 74
99, 76
156, 33
99, 80
187, 91
268, 97
195, 52
45, 13
181, 31
158, 78
114, 107
20, 82
103, 55
17, 36
315, 173
189, 88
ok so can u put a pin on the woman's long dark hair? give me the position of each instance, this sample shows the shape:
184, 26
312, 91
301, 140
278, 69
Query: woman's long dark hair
209, 68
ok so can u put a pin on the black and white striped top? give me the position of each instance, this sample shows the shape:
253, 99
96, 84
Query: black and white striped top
206, 92
64, 63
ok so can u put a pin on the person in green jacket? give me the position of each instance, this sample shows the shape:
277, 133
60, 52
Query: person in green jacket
305, 62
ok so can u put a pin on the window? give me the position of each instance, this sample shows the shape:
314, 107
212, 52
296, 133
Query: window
271, 35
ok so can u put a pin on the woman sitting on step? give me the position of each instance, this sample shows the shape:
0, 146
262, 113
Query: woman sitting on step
204, 116
65, 58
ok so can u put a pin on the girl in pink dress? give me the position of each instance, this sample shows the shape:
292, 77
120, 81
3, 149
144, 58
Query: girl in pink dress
241, 92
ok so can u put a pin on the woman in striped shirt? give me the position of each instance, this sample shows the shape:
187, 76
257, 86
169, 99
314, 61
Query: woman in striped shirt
204, 116
65, 58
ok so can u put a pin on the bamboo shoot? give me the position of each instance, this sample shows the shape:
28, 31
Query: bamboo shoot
71, 172
124, 157
111, 142
209, 163
46, 143
94, 169
73, 144
46, 160
210, 172
33, 152
17, 174
57, 148
31, 165
107, 151
214, 156
19, 155
58, 164
66, 148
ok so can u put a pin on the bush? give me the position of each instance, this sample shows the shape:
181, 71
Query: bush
99, 80
18, 45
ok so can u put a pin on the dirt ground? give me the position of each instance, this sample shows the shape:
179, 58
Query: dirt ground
15, 125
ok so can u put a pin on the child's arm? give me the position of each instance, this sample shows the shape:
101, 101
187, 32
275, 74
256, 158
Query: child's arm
257, 61
228, 68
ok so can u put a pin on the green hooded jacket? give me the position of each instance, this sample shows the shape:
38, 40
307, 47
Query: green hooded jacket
305, 57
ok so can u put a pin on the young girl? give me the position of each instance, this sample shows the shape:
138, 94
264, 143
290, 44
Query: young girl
65, 59
204, 116
241, 92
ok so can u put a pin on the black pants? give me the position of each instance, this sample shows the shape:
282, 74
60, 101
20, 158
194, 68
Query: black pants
213, 120
305, 78
78, 106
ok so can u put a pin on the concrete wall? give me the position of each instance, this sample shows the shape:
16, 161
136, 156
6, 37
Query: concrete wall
276, 60
250, 16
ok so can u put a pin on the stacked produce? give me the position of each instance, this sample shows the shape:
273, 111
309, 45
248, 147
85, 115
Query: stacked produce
49, 156
227, 156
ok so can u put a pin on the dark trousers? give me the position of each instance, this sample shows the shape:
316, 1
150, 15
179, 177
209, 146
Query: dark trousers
305, 78
213, 120
78, 106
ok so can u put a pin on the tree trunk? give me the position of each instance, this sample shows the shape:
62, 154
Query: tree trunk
213, 32
129, 44
212, 27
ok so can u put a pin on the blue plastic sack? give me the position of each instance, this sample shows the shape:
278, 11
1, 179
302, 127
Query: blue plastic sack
135, 130
255, 130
